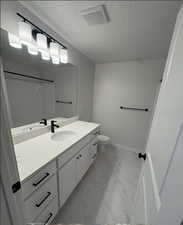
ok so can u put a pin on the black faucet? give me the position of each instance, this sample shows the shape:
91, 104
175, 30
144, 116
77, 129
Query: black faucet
43, 121
53, 125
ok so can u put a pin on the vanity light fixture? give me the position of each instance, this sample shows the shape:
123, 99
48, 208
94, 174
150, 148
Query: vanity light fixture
55, 60
38, 40
14, 41
54, 52
54, 49
42, 43
63, 56
32, 48
45, 56
25, 33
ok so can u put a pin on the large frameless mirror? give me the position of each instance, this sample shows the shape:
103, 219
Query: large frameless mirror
37, 88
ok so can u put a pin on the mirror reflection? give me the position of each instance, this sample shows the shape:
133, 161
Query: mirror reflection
37, 88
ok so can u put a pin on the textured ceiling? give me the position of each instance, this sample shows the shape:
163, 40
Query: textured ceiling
137, 29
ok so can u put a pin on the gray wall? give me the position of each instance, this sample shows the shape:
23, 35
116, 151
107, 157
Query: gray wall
133, 84
9, 22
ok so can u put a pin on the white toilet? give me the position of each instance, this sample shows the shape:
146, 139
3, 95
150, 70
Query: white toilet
103, 141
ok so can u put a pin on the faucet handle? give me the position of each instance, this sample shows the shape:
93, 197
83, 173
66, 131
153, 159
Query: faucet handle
43, 121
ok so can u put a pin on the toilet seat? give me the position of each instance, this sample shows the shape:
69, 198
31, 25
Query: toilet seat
103, 139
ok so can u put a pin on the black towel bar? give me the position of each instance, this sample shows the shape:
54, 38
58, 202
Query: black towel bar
135, 109
64, 102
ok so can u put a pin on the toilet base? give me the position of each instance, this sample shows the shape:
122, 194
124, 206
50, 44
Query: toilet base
102, 148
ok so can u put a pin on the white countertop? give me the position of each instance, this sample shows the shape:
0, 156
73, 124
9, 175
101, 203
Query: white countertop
29, 131
34, 153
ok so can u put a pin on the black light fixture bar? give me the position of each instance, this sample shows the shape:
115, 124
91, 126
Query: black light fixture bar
41, 31
28, 76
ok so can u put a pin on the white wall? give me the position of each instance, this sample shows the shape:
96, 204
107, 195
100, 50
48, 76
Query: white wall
66, 88
9, 22
67, 91
132, 84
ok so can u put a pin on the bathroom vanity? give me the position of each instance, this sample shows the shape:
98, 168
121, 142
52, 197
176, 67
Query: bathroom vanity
52, 164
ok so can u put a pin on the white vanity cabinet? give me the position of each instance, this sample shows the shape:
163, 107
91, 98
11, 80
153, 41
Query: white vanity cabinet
82, 162
71, 173
38, 179
40, 193
48, 214
41, 198
67, 180
49, 187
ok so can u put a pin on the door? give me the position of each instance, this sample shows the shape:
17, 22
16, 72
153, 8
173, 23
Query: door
171, 212
67, 180
163, 135
12, 205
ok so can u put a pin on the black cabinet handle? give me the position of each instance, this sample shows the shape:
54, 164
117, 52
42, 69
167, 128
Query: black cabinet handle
43, 178
44, 199
95, 143
49, 217
79, 156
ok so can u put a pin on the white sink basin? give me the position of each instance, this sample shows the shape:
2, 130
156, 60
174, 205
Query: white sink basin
63, 135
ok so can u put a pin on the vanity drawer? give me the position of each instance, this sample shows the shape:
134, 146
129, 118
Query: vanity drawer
48, 214
73, 150
38, 179
41, 198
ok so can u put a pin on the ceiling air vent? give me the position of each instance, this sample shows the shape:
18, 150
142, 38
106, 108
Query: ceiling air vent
95, 15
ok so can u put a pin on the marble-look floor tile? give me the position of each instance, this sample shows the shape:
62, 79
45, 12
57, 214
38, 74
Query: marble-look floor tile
105, 194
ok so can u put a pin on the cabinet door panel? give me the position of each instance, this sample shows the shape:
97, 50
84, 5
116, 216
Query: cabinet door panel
67, 180
82, 163
93, 150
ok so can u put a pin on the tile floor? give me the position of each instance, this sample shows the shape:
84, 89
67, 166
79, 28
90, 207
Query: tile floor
105, 194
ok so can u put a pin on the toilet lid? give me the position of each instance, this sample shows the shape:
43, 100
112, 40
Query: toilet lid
103, 138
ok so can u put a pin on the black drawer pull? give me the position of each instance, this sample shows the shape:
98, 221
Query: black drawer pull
49, 217
80, 156
43, 178
44, 199
95, 143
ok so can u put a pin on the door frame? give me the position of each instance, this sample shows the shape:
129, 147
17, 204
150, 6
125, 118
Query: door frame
9, 171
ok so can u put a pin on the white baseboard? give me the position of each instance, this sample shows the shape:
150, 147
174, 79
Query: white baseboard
127, 148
